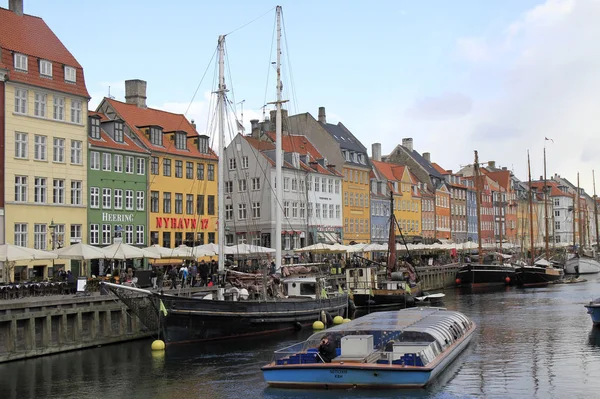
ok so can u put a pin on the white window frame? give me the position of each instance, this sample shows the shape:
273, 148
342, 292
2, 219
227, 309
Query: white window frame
70, 74
140, 200
21, 145
76, 191
40, 236
118, 163
129, 165
40, 190
58, 150
58, 108
46, 68
76, 152
255, 183
232, 164
58, 191
118, 198
129, 234
256, 210
106, 161
94, 160
39, 104
139, 234
106, 198
94, 234
242, 186
20, 188
76, 107
20, 62
21, 235
245, 162
95, 197
242, 212
129, 200
141, 166
21, 101
75, 233
229, 212
106, 234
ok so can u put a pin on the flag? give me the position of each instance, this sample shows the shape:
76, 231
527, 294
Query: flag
547, 139
391, 263
163, 309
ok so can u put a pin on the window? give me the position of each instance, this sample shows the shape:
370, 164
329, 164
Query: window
70, 75
139, 234
94, 197
94, 234
180, 141
286, 184
118, 163
154, 165
245, 162
211, 205
242, 214
106, 233
302, 210
39, 236
166, 202
141, 166
46, 68
58, 153
76, 113
75, 233
200, 204
58, 191
106, 162
21, 145
309, 183
156, 136
94, 160
179, 169
338, 213
337, 186
556, 201
129, 234
129, 200
118, 197
39, 104
95, 128
256, 183
59, 108
21, 234
178, 203
20, 62
317, 184
189, 204
129, 165
294, 209
189, 170
242, 187
166, 167
76, 148
154, 201
556, 213
232, 164
228, 188
39, 190
294, 185
166, 239
229, 212
557, 225
20, 188
286, 209
119, 138
106, 198
330, 185
211, 172
200, 171
256, 210
39, 147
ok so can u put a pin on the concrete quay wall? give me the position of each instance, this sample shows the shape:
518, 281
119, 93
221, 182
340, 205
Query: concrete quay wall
438, 277
38, 326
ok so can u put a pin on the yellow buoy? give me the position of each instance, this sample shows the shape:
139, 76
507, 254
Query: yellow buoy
158, 345
318, 325
346, 321
338, 320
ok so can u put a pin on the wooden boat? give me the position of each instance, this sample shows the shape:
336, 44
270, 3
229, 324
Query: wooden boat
593, 309
395, 349
477, 274
582, 265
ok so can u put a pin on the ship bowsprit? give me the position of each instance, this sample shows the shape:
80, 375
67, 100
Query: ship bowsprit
142, 304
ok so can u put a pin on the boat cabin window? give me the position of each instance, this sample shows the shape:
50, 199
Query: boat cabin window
308, 289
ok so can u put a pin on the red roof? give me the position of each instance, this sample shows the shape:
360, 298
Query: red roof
136, 117
299, 144
260, 145
554, 190
438, 168
390, 171
31, 36
106, 141
502, 177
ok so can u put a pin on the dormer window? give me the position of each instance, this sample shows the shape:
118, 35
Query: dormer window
20, 62
296, 160
361, 159
180, 141
156, 136
354, 157
119, 132
46, 68
95, 128
70, 75
203, 144
347, 155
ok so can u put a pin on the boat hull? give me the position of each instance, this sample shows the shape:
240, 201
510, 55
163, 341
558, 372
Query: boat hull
594, 312
474, 275
379, 301
190, 319
531, 276
361, 375
586, 266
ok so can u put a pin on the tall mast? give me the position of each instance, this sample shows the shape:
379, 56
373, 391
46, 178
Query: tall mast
546, 206
501, 216
596, 212
478, 202
530, 212
574, 222
278, 152
579, 224
222, 107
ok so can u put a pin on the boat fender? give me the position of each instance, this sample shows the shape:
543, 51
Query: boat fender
457, 281
507, 280
326, 318
297, 326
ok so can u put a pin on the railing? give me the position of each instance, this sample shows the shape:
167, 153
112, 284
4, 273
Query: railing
15, 291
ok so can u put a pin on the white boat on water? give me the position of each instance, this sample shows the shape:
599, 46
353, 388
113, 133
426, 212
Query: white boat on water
585, 264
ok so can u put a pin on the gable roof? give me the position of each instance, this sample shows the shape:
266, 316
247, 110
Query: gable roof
425, 164
502, 177
136, 117
439, 169
554, 190
29, 35
106, 141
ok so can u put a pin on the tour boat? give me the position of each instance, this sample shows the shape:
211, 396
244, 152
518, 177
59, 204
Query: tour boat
582, 265
395, 349
593, 309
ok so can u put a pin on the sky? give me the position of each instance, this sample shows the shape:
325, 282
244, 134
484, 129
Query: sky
456, 76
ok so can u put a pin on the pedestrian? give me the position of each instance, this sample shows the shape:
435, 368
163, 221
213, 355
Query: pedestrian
193, 274
153, 278
173, 275
204, 272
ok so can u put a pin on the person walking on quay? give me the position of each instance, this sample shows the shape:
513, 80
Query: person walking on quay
193, 274
184, 275
204, 272
154, 277
173, 275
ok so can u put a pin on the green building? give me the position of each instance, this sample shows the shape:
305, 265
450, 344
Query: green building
117, 185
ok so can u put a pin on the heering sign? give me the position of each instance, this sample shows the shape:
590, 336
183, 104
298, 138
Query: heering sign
117, 217
180, 223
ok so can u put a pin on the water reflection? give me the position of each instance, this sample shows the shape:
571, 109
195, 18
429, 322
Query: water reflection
594, 338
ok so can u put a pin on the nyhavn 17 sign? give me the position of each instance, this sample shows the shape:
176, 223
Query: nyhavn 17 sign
181, 223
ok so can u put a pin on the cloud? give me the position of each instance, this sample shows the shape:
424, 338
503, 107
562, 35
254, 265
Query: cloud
473, 49
446, 106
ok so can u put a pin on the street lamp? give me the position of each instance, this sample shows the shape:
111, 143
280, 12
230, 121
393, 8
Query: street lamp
52, 227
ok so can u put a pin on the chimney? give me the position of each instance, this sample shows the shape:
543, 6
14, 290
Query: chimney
255, 128
427, 156
408, 143
135, 92
504, 168
16, 6
376, 151
492, 164
322, 116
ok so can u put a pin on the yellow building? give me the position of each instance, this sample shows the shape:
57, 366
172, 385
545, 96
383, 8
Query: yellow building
407, 197
182, 186
45, 137
356, 204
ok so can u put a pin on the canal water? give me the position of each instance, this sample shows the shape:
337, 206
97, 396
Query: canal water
530, 343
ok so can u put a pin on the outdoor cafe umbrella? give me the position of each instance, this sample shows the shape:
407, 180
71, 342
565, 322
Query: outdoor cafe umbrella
81, 252
122, 251
13, 253
317, 248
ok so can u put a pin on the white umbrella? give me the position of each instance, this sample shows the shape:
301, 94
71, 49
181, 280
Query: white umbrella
13, 253
211, 247
247, 249
319, 247
80, 251
120, 250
